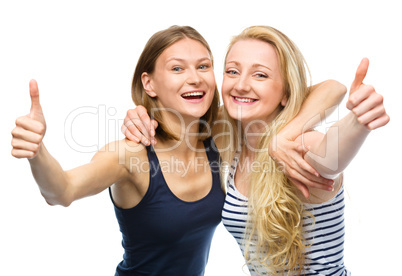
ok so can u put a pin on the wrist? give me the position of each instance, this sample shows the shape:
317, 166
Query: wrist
39, 155
289, 133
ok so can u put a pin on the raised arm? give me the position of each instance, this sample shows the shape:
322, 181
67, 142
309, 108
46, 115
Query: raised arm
57, 186
331, 153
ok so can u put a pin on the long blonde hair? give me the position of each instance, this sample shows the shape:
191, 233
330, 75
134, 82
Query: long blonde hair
276, 213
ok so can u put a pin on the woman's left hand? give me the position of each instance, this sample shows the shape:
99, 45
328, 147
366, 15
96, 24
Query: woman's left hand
365, 102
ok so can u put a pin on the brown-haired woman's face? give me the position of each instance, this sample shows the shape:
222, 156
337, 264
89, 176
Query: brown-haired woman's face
183, 78
252, 87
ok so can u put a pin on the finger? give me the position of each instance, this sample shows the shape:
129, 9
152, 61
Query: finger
372, 101
358, 97
303, 165
139, 124
26, 135
154, 124
380, 122
319, 185
302, 149
138, 135
139, 130
127, 128
144, 117
312, 180
371, 115
311, 183
18, 153
29, 124
361, 73
34, 93
299, 164
128, 134
20, 144
145, 141
302, 188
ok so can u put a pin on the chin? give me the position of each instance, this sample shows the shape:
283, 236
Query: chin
234, 114
195, 114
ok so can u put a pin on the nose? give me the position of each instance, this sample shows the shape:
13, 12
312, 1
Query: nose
193, 77
242, 85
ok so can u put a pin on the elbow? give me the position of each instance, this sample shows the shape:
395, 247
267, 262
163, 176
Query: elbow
337, 87
53, 201
329, 174
326, 171
327, 168
64, 203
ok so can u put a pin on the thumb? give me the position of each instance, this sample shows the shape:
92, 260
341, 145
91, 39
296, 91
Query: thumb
360, 75
36, 108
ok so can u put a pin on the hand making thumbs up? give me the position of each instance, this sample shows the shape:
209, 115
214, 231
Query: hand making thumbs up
30, 129
365, 102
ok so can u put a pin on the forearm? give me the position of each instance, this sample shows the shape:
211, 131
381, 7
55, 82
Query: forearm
321, 102
338, 147
50, 177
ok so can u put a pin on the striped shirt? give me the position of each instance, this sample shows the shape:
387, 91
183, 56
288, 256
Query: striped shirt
323, 257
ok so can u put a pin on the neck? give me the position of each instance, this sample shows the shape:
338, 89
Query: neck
256, 129
187, 131
252, 135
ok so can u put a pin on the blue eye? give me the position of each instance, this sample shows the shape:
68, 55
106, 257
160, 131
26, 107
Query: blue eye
231, 72
177, 69
261, 75
204, 66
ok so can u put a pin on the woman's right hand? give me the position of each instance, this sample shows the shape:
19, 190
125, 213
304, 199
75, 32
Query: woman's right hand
30, 129
289, 155
139, 127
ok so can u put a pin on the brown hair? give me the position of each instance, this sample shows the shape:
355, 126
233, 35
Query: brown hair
146, 63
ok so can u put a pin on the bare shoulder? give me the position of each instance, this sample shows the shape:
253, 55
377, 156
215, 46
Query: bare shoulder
132, 158
120, 152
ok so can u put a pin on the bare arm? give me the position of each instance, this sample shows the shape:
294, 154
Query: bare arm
331, 153
56, 185
321, 102
60, 187
323, 99
137, 127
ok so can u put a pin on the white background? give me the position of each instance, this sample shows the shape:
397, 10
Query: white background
83, 55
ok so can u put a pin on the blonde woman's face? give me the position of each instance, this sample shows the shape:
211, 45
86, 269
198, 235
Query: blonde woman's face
252, 87
183, 78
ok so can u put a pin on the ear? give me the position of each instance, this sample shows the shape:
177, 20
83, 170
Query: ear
146, 83
284, 101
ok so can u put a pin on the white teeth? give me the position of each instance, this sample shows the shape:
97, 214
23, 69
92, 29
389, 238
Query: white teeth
189, 94
244, 100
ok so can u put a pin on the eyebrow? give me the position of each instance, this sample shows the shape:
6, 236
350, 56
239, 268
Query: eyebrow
255, 65
183, 60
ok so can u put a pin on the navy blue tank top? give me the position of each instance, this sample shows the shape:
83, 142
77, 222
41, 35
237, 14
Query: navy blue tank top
164, 235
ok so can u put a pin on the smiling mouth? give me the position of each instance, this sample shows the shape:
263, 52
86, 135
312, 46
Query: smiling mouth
193, 95
243, 99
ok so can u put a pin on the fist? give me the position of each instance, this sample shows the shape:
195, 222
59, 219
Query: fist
29, 131
365, 102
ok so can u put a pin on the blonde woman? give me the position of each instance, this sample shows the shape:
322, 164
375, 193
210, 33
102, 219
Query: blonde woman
167, 217
279, 230
283, 232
